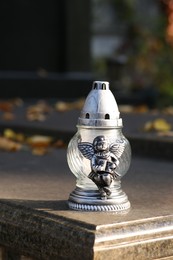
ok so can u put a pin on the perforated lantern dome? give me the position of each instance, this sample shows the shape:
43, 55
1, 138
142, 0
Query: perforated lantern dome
100, 108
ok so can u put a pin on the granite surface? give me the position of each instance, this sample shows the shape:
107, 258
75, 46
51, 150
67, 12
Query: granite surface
35, 219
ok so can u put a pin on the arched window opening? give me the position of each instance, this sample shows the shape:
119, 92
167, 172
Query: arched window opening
107, 116
87, 116
95, 85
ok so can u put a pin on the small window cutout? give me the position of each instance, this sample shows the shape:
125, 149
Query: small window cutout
107, 116
87, 115
95, 85
104, 86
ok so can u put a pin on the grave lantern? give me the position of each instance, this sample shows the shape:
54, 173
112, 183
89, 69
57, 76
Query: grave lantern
99, 155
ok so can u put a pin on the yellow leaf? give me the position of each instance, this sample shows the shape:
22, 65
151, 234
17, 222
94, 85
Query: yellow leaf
10, 134
161, 125
39, 141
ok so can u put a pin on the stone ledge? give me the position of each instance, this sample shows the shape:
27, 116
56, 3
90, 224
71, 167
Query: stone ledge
42, 235
35, 220
151, 146
63, 126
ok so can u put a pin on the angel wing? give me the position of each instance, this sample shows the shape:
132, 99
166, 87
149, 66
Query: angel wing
117, 148
86, 149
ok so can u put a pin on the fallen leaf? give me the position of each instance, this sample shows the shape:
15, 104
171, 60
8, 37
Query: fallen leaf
20, 137
126, 108
9, 145
148, 126
39, 141
78, 104
168, 110
36, 117
38, 112
6, 106
59, 144
141, 109
9, 133
62, 106
159, 124
8, 116
39, 151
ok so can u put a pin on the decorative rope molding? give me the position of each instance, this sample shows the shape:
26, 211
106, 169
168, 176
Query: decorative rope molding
87, 207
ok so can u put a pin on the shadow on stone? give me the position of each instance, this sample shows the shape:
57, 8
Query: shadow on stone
48, 206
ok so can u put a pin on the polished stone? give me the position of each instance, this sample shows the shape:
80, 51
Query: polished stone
35, 219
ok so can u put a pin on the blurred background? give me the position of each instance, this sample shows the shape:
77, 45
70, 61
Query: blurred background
132, 47
56, 48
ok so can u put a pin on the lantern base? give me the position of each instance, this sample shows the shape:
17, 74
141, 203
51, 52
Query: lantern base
90, 200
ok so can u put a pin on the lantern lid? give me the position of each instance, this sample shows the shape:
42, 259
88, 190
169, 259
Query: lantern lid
100, 108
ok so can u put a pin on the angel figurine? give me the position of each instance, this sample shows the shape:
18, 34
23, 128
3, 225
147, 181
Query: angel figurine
104, 158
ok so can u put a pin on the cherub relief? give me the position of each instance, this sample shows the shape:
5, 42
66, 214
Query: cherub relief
104, 158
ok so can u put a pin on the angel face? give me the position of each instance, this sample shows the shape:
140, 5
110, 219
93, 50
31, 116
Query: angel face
100, 143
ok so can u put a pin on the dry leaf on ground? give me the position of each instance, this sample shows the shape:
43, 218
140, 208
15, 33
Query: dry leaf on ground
9, 145
62, 106
59, 144
168, 110
39, 151
6, 106
159, 124
10, 134
38, 112
37, 141
8, 116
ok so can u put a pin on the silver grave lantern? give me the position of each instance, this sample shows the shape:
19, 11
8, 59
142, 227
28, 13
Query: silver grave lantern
99, 155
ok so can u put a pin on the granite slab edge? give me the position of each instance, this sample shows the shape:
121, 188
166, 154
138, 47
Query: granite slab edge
45, 236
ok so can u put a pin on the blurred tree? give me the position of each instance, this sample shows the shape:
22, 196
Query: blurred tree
149, 55
144, 58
